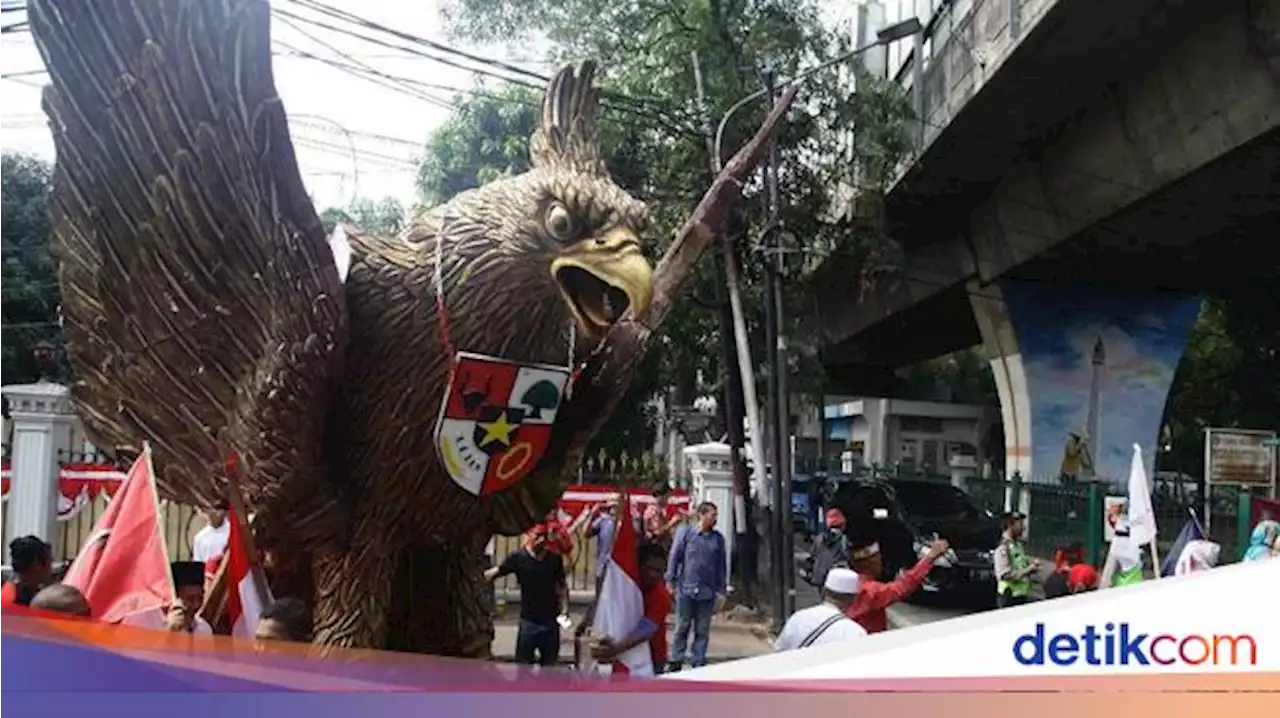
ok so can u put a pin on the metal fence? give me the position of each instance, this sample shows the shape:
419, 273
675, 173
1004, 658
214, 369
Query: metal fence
579, 565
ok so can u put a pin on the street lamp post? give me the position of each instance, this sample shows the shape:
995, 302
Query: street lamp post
780, 525
781, 545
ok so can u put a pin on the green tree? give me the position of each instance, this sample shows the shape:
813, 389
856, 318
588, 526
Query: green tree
1229, 375
385, 216
29, 282
486, 139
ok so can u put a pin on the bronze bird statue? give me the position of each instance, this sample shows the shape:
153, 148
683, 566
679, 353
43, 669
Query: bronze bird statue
393, 407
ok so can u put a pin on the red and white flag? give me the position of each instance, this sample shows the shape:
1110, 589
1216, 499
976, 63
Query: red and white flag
123, 568
247, 591
620, 605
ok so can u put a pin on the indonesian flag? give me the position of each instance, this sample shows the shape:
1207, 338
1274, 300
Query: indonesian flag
123, 568
620, 605
248, 593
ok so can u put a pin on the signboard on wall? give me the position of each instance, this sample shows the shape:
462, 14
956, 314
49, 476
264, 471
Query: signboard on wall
1240, 457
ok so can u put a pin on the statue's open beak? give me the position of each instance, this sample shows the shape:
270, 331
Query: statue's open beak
602, 277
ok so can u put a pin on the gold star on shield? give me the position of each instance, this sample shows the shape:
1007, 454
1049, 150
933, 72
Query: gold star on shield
498, 430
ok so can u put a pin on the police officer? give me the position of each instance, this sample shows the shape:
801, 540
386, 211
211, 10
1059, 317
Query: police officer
1014, 571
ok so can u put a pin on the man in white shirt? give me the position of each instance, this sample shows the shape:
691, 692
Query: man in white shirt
211, 541
828, 621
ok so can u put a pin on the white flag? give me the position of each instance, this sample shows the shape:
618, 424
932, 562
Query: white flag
1142, 518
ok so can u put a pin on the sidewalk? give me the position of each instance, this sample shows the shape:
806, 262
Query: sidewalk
730, 639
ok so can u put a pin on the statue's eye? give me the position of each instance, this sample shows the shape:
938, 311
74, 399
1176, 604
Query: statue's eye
560, 223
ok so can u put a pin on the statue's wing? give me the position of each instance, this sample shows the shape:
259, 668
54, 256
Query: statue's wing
201, 307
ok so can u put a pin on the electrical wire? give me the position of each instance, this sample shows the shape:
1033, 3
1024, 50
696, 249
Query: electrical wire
403, 86
356, 19
316, 6
662, 119
293, 52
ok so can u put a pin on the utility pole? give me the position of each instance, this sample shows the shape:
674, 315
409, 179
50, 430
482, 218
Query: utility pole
740, 392
777, 565
776, 267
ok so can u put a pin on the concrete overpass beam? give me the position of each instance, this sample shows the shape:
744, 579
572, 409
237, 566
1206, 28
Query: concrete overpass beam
1211, 92
1082, 372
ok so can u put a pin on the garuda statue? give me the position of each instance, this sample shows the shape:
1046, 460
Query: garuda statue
396, 400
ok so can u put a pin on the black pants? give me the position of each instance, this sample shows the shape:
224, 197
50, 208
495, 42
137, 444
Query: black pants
538, 643
1007, 599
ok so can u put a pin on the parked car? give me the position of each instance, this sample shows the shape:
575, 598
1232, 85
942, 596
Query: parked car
905, 516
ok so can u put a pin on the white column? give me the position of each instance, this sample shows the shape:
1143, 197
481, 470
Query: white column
41, 414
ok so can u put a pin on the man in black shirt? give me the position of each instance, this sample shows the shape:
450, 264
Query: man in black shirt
544, 595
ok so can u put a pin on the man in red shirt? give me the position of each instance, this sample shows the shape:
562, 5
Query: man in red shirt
874, 596
657, 606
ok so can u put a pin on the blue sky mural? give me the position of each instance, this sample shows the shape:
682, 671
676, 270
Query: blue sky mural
1143, 335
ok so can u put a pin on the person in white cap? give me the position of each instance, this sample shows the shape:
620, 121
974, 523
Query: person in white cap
825, 622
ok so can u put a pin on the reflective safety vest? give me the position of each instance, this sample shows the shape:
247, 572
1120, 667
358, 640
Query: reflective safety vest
1126, 578
1018, 562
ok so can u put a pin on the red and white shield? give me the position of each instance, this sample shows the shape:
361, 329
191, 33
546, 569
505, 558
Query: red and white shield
496, 418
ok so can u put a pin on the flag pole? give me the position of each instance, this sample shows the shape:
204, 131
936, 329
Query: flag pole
155, 498
235, 464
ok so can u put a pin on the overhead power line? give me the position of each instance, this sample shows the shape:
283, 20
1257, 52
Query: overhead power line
371, 70
356, 19
661, 116
293, 52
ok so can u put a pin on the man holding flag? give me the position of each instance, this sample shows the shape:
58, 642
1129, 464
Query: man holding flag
1136, 529
630, 613
123, 569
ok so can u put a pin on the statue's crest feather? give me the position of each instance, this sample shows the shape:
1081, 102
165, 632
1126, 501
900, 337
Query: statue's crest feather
568, 135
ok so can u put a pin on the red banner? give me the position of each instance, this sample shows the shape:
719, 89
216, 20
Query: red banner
576, 502
1260, 508
78, 485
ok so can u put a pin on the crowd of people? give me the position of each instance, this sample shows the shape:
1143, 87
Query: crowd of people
854, 600
36, 586
682, 569
683, 566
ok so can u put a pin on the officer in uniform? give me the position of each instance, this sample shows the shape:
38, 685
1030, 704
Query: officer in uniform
1014, 571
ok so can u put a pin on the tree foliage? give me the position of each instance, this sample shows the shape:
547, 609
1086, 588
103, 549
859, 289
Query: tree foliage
29, 284
385, 216
1229, 375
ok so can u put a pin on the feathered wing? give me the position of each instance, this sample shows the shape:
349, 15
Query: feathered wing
201, 307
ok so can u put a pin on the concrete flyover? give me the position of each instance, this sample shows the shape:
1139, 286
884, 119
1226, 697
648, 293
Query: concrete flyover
1097, 142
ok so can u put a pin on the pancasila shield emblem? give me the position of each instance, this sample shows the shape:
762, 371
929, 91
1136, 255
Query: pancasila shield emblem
496, 420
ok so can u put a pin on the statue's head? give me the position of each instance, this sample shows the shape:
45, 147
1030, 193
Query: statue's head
571, 222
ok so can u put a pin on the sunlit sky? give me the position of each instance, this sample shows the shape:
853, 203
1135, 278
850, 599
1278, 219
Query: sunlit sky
387, 124
330, 109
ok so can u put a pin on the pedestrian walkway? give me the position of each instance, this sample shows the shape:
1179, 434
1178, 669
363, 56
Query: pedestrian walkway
730, 640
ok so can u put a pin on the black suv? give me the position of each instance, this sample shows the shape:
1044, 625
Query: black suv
904, 516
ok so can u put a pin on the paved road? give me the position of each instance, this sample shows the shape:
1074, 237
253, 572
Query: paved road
904, 615
729, 640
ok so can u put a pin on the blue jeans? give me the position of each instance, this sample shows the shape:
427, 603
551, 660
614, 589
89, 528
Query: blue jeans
538, 643
696, 613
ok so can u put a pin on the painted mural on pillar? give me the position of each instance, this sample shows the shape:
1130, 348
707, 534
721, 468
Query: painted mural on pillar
1099, 363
